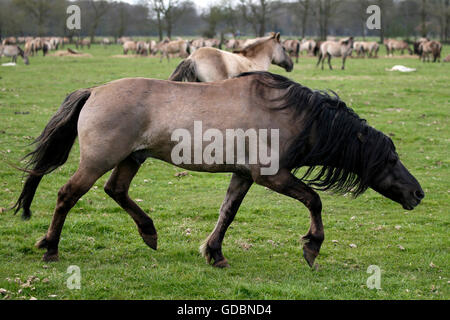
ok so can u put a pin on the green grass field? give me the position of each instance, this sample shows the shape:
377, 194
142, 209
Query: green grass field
262, 245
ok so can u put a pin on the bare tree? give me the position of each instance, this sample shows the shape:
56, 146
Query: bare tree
99, 9
423, 18
167, 11
256, 13
440, 9
325, 9
304, 8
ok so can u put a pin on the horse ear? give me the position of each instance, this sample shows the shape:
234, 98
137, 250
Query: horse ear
277, 36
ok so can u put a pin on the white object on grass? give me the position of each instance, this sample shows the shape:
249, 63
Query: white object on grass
9, 64
401, 69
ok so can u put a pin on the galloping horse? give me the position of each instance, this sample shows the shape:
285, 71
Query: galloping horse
13, 51
123, 122
210, 64
341, 48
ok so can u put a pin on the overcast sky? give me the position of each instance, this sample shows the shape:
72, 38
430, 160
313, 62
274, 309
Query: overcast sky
200, 3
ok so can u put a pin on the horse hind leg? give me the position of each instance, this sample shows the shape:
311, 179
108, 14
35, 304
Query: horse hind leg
68, 195
211, 249
329, 61
117, 188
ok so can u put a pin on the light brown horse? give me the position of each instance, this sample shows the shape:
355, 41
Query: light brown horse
13, 52
143, 48
430, 47
393, 44
358, 48
371, 48
179, 48
129, 46
341, 48
210, 64
307, 46
123, 122
292, 47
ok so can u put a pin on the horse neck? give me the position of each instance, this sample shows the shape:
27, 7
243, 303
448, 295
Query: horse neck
260, 56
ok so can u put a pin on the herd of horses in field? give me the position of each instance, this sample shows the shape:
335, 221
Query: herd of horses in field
426, 49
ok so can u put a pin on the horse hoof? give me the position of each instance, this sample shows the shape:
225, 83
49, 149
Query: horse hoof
150, 240
50, 257
310, 256
221, 264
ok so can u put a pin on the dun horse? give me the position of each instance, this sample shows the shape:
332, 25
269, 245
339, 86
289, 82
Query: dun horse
341, 48
210, 64
13, 51
292, 47
123, 122
177, 47
393, 44
430, 47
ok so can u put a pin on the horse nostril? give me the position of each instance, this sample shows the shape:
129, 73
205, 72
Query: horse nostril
419, 194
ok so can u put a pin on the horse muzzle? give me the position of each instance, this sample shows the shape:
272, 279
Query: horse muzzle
413, 199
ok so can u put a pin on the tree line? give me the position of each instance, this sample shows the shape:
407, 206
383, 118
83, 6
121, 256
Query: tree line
169, 18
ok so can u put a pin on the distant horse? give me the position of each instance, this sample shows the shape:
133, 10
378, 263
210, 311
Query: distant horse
358, 47
13, 51
232, 44
393, 44
123, 122
292, 47
210, 64
430, 47
106, 42
143, 48
307, 46
129, 46
212, 43
84, 42
9, 40
416, 46
177, 47
341, 48
371, 49
34, 45
197, 44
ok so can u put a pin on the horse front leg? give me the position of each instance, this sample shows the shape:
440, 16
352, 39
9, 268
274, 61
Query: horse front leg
343, 62
286, 183
212, 247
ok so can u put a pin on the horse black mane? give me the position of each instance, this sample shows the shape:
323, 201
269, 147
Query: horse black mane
346, 151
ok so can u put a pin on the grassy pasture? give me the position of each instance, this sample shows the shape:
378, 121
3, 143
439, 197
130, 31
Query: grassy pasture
262, 245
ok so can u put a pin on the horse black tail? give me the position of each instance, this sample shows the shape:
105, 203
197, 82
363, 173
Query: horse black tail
53, 147
185, 71
316, 49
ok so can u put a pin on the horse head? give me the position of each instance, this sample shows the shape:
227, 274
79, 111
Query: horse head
279, 56
392, 180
